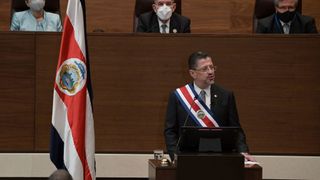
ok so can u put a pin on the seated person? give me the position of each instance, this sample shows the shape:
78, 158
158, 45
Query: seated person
35, 18
163, 19
286, 20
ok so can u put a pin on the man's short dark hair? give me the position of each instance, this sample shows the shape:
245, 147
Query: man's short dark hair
194, 57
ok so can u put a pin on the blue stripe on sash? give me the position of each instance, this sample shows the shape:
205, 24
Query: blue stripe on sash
210, 111
190, 114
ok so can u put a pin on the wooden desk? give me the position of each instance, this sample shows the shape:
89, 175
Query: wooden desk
158, 172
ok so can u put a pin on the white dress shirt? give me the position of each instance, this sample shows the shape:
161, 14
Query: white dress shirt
208, 93
167, 28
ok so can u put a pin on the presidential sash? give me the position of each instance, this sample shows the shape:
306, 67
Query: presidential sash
195, 107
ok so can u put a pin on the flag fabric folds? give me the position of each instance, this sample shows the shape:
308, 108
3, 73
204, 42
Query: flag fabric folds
72, 131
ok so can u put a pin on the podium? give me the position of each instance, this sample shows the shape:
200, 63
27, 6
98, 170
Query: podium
159, 172
208, 166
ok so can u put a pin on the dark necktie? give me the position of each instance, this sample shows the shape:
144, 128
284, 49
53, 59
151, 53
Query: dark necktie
203, 95
286, 28
163, 28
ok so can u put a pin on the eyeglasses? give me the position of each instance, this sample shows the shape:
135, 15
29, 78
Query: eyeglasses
207, 69
286, 8
164, 3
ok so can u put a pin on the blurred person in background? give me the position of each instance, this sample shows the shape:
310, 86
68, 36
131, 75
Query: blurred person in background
35, 18
286, 20
163, 19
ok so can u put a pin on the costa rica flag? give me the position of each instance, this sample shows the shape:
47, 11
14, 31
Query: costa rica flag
72, 144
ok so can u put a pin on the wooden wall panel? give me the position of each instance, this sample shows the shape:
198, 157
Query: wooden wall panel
17, 92
277, 96
131, 94
269, 90
311, 8
47, 53
110, 16
218, 16
208, 15
4, 15
277, 90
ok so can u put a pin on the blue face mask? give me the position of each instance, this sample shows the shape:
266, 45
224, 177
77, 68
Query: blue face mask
286, 16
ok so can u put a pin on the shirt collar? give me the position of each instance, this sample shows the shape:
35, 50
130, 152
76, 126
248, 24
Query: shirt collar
167, 23
197, 89
282, 23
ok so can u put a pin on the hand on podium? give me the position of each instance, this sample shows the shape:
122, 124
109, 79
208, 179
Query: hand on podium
248, 157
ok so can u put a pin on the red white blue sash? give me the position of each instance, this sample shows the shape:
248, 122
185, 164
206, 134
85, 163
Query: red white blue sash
195, 107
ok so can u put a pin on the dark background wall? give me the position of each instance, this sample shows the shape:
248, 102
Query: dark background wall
208, 16
275, 80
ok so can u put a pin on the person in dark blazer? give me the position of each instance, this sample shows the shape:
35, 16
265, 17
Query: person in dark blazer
163, 19
220, 101
286, 20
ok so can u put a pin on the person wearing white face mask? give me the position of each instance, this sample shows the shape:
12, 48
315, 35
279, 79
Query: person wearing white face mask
163, 19
35, 18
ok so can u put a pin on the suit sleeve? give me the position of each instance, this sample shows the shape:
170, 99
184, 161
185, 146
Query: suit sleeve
171, 129
234, 121
187, 28
311, 27
141, 27
260, 28
59, 26
15, 25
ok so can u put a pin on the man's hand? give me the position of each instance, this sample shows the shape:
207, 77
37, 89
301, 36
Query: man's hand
248, 157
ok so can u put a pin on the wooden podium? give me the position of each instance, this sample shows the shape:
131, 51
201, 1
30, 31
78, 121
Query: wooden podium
159, 172
208, 166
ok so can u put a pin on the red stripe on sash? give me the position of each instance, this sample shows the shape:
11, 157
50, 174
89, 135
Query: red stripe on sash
195, 106
207, 121
186, 94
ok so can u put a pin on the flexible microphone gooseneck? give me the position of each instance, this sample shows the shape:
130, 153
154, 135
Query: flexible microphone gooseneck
189, 112
186, 120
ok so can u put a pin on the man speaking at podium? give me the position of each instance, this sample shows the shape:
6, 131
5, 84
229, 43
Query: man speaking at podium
201, 103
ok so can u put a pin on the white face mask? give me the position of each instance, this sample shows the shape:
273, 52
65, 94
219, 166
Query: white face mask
164, 12
36, 5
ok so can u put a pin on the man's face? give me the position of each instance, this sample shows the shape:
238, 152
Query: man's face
158, 3
204, 73
286, 5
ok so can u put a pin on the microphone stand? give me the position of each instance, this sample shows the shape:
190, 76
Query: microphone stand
184, 124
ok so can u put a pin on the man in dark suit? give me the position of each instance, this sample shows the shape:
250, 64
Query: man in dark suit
163, 19
286, 20
214, 99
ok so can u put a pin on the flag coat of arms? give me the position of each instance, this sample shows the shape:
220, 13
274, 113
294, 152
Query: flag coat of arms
72, 144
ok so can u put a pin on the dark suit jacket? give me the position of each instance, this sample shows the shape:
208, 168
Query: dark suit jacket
224, 106
300, 24
148, 22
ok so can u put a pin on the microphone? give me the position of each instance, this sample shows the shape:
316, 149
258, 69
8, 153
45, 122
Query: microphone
186, 120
